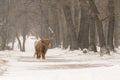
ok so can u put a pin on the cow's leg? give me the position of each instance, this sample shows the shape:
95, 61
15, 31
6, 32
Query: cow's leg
35, 54
43, 51
38, 55
43, 56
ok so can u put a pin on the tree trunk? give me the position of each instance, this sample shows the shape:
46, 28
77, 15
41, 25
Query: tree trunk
13, 42
92, 45
23, 45
55, 21
111, 25
19, 43
117, 23
83, 36
76, 16
70, 26
103, 48
4, 38
45, 19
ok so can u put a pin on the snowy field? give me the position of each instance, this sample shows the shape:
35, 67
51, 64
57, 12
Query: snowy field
59, 65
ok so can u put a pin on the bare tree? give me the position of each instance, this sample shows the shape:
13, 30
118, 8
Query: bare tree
102, 43
83, 37
70, 25
111, 25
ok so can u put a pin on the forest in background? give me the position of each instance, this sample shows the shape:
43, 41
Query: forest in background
75, 23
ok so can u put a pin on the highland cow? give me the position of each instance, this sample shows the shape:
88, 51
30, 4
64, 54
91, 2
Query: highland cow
41, 47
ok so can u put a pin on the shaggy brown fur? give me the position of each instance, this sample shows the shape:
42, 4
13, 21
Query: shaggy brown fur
41, 47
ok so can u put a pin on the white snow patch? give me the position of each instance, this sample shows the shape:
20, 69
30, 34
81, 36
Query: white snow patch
60, 64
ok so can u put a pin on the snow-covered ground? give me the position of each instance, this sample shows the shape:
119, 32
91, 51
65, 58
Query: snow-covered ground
59, 65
